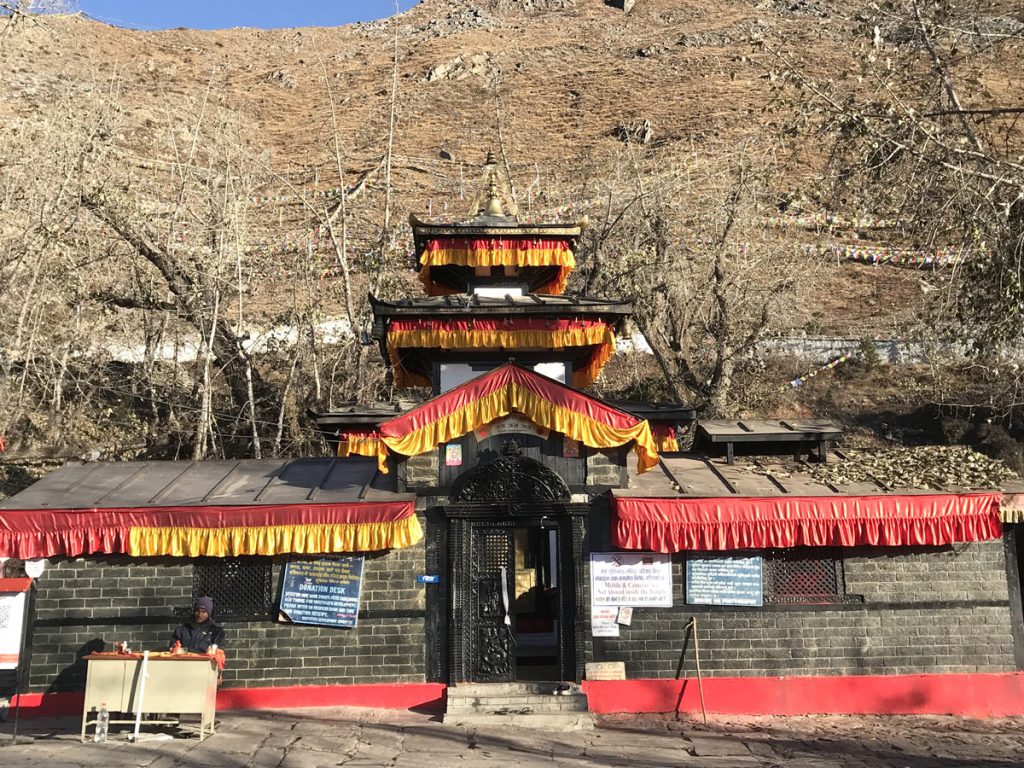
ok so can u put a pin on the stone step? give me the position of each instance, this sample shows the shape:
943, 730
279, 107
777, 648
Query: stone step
509, 689
549, 721
528, 699
516, 704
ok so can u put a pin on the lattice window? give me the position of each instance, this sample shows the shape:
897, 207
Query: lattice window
241, 587
803, 576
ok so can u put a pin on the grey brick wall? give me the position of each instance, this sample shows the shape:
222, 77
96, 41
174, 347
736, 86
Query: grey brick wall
422, 471
923, 611
604, 468
90, 603
963, 572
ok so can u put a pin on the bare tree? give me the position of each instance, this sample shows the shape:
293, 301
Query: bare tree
706, 285
920, 131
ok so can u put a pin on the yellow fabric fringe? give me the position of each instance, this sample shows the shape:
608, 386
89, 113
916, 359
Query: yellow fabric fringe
602, 336
1011, 515
357, 445
666, 444
499, 257
514, 398
275, 539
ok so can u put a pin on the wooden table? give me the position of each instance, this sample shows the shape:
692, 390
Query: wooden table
768, 436
183, 684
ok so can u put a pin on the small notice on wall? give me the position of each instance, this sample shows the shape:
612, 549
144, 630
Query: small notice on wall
637, 579
603, 621
606, 670
453, 455
12, 616
324, 592
724, 581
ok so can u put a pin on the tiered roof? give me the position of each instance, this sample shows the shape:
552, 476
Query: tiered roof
495, 285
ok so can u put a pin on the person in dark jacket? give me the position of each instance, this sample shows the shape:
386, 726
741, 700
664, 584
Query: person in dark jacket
197, 635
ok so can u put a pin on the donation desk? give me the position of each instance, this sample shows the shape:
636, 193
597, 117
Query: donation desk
178, 684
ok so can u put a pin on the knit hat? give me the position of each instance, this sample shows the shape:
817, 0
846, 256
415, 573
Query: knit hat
206, 603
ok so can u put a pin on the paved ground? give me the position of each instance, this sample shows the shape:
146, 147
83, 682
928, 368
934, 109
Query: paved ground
355, 738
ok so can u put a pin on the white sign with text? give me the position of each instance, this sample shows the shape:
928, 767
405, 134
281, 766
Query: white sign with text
12, 617
636, 579
602, 621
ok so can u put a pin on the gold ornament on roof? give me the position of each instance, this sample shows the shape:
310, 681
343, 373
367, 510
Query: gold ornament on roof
493, 207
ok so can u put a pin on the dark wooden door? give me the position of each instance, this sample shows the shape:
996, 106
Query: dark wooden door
493, 589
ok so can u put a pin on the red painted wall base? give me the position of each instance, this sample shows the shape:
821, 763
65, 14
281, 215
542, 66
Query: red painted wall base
425, 696
969, 695
977, 695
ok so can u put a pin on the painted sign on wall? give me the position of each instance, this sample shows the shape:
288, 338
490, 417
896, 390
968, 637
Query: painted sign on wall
638, 579
724, 581
324, 592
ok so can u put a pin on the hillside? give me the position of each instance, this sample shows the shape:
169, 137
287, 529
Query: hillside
554, 86
562, 77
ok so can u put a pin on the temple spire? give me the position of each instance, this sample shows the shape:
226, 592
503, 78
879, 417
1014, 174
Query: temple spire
489, 202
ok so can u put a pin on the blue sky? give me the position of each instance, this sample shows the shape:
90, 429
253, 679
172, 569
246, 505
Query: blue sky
220, 14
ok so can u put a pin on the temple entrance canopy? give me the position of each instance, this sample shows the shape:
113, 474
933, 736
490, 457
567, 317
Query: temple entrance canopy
515, 389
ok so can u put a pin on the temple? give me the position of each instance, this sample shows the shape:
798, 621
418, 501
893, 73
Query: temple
513, 527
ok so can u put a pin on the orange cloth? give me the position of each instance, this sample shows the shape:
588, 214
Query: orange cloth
358, 444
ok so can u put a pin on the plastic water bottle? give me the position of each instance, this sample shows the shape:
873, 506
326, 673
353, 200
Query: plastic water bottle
102, 724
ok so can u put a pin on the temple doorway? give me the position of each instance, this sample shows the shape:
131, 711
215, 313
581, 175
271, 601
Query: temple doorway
515, 591
515, 554
536, 603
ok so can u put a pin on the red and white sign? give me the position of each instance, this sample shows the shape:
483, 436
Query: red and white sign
12, 617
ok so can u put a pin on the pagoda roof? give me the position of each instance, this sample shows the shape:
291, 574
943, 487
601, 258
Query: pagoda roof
482, 306
488, 225
354, 415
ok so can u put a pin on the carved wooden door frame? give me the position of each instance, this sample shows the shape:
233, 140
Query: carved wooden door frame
465, 522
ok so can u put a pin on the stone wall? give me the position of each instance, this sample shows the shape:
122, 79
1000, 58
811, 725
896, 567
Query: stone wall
421, 471
87, 604
924, 610
605, 468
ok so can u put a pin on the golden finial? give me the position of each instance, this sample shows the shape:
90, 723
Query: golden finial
493, 201
492, 206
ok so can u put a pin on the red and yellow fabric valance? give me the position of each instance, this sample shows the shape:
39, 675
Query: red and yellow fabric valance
210, 531
497, 252
665, 438
358, 443
519, 334
725, 523
515, 389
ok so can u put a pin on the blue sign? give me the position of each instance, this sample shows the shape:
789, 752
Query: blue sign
428, 579
724, 581
324, 592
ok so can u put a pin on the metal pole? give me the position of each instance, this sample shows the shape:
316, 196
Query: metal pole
22, 662
143, 673
700, 680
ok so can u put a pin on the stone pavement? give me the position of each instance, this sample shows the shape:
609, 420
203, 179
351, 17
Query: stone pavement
360, 738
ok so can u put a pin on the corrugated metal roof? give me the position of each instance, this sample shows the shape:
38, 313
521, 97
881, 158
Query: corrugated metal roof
695, 475
113, 485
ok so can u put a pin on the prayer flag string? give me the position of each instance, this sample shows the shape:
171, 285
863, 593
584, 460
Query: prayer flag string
799, 380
